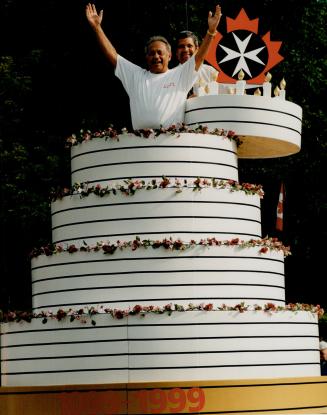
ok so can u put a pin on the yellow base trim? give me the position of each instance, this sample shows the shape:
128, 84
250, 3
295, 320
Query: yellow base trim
259, 396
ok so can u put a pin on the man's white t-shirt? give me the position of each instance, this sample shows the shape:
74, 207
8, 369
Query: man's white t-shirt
156, 99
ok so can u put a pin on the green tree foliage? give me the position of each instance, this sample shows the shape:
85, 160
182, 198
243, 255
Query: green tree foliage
29, 167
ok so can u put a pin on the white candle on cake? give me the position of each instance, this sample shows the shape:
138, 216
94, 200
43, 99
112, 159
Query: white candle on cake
276, 91
267, 85
198, 87
212, 86
240, 84
282, 92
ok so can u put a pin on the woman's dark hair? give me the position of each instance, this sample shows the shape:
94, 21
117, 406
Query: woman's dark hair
187, 33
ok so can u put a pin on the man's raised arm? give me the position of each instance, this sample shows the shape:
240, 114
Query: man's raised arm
94, 18
213, 21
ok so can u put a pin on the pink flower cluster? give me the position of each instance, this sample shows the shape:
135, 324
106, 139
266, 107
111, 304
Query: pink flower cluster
112, 133
107, 247
88, 313
129, 187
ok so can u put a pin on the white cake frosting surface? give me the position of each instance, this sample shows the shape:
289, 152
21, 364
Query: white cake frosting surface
195, 291
268, 127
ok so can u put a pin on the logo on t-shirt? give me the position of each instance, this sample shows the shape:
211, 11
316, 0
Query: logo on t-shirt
170, 85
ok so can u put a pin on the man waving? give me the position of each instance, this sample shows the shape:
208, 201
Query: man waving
158, 95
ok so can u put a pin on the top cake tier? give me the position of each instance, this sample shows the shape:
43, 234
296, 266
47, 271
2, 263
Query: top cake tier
267, 127
183, 155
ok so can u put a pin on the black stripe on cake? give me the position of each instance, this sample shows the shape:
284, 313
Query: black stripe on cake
132, 273
245, 108
156, 258
132, 203
123, 163
159, 339
133, 301
110, 369
118, 326
172, 148
151, 218
114, 287
156, 354
108, 179
247, 122
180, 234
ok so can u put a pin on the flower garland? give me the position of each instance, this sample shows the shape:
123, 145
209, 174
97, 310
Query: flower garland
108, 247
85, 313
130, 187
112, 133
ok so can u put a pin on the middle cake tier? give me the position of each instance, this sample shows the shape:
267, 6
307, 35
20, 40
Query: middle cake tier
222, 210
157, 273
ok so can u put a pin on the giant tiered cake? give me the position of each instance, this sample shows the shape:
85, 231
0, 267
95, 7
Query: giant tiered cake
158, 271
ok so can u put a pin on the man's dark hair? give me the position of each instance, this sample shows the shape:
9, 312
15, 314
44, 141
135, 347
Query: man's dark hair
157, 39
187, 33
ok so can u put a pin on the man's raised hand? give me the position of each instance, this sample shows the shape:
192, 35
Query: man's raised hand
93, 16
213, 19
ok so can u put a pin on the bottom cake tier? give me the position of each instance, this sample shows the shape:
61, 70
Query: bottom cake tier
159, 346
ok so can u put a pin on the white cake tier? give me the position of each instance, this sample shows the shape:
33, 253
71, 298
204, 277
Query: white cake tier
190, 345
268, 127
185, 155
157, 213
157, 276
